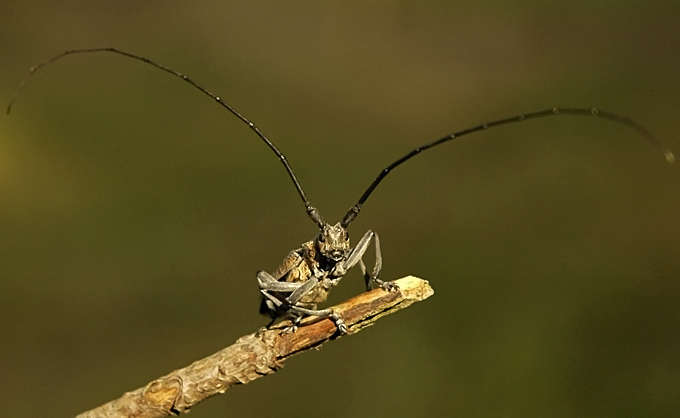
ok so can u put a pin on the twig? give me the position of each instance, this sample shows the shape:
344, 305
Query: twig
256, 355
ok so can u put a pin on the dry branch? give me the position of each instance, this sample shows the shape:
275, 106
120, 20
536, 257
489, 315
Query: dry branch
256, 355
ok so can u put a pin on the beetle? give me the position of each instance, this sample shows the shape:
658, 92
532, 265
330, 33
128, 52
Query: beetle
307, 274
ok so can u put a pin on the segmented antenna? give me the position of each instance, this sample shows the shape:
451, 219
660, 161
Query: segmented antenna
311, 210
354, 210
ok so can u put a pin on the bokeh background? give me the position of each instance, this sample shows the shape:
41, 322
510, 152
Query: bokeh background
134, 212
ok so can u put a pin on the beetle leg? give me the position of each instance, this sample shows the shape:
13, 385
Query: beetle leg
298, 312
373, 278
267, 282
302, 290
272, 291
337, 320
356, 257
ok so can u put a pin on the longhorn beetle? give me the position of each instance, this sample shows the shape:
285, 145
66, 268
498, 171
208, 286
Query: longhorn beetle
306, 276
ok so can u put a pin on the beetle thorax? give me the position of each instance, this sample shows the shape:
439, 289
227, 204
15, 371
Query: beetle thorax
333, 242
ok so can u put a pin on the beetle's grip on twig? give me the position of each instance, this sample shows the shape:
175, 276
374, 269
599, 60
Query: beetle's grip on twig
255, 355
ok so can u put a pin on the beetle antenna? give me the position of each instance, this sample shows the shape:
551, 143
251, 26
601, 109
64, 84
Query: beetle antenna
311, 210
354, 210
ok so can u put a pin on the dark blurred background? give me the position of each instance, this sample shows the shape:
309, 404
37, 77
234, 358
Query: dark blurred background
134, 212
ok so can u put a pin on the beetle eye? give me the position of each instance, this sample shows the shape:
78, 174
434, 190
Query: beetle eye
321, 238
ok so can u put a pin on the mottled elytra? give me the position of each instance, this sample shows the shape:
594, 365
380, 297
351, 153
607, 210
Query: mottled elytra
308, 273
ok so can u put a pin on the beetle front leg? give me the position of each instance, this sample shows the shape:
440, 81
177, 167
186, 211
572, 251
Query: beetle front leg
337, 320
267, 282
272, 290
356, 257
298, 294
299, 311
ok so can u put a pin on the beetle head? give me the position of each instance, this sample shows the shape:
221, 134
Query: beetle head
333, 242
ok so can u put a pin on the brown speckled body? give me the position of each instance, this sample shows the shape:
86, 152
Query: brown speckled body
298, 267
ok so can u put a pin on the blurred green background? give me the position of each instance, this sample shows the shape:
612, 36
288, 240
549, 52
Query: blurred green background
134, 212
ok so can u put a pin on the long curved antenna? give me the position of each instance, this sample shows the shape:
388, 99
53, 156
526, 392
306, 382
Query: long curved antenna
311, 211
354, 210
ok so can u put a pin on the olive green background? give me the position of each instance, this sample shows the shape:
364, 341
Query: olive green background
134, 212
